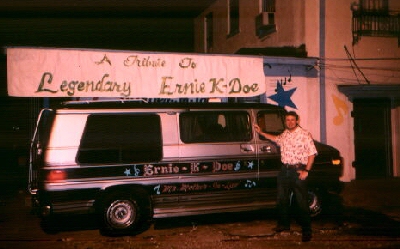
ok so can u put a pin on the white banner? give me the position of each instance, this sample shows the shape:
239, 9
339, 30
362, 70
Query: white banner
45, 72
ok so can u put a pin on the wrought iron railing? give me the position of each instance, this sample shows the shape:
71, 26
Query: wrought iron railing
367, 23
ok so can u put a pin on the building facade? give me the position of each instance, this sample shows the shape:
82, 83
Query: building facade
334, 62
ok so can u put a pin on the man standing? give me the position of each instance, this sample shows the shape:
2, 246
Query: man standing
297, 155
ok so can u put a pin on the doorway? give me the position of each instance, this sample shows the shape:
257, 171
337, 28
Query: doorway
372, 138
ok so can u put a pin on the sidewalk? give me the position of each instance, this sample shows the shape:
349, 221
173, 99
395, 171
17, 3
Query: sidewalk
379, 195
372, 207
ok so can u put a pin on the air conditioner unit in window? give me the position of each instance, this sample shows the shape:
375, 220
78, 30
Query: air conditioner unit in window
265, 23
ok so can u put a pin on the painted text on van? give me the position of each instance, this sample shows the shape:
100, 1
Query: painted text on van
192, 168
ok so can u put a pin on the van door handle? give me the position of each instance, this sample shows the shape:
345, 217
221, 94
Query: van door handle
247, 147
266, 148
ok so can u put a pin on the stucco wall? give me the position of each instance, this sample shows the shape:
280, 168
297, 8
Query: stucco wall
290, 23
372, 60
372, 65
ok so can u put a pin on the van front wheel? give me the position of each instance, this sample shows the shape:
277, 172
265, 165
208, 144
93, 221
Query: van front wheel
120, 216
314, 202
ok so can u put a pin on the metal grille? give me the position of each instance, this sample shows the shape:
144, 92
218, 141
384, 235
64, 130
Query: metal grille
373, 18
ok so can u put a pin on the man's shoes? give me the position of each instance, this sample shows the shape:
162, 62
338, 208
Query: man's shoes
306, 237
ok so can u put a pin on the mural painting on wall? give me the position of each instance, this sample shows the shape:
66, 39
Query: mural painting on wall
341, 108
283, 97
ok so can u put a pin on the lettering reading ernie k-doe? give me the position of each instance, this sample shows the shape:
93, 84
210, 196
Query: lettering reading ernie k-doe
151, 170
234, 86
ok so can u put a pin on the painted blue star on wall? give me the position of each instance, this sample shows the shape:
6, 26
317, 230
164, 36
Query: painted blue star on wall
282, 97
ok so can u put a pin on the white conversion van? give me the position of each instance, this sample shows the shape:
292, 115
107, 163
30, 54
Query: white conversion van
128, 162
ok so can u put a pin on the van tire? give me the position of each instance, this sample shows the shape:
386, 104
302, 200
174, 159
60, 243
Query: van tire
49, 225
121, 214
314, 203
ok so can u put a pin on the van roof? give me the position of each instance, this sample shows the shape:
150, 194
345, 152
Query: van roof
123, 104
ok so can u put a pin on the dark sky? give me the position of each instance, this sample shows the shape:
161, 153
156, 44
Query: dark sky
157, 25
147, 25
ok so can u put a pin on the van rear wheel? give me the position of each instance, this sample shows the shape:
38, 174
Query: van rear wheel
121, 215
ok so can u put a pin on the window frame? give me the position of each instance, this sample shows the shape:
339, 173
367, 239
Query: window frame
233, 17
201, 127
112, 139
208, 32
280, 119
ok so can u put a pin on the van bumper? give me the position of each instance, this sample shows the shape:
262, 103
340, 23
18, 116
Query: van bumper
73, 207
64, 202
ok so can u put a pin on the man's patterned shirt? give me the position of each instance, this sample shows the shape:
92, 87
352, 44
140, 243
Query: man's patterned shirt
296, 146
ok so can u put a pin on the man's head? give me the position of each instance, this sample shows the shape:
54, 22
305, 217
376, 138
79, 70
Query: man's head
291, 120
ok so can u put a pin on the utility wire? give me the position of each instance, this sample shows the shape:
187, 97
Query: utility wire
352, 66
355, 64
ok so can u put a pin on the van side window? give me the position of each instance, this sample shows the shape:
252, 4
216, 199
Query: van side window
229, 126
121, 139
271, 122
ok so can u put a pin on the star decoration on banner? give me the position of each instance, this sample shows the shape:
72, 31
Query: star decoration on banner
282, 97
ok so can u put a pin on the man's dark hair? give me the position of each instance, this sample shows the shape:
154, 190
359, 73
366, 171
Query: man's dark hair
292, 113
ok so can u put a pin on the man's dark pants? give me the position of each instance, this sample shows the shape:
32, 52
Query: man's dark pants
288, 182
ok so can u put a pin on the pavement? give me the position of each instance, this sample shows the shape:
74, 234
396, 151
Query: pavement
371, 220
379, 195
373, 204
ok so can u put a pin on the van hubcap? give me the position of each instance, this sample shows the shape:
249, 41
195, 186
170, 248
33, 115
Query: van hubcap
121, 213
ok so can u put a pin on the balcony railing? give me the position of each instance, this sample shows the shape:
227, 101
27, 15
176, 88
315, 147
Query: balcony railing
375, 24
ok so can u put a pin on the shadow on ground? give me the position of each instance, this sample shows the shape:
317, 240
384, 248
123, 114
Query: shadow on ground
362, 222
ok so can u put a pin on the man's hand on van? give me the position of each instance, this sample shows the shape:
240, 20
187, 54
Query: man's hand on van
257, 128
265, 135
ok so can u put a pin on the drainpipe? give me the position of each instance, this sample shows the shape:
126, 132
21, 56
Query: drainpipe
322, 8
